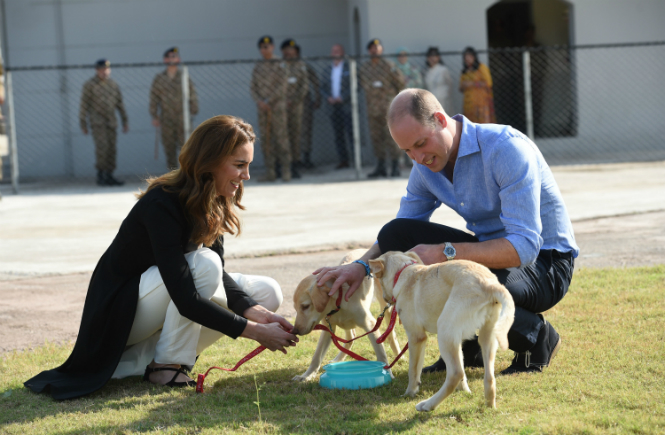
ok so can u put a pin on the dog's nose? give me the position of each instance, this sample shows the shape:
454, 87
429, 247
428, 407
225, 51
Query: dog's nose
295, 331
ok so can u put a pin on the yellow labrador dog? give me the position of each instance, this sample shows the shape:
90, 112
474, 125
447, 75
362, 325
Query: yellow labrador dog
312, 303
454, 300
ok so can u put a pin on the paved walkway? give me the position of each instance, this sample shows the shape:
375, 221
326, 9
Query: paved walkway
60, 230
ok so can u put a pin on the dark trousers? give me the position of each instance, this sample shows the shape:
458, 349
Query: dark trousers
535, 288
342, 126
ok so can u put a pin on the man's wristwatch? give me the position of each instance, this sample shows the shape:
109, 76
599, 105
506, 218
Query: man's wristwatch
449, 251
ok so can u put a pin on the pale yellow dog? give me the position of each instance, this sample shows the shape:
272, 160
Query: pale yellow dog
312, 303
454, 300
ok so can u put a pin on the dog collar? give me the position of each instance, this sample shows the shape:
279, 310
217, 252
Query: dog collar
399, 272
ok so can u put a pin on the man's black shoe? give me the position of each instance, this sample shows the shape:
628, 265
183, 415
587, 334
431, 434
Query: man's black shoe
540, 356
111, 181
294, 170
380, 170
395, 170
101, 178
473, 357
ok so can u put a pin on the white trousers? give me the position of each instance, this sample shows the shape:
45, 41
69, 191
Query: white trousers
159, 332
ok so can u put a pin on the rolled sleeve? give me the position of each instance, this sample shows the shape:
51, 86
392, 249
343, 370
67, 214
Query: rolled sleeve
517, 174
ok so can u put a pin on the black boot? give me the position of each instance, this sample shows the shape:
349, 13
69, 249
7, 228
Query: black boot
540, 355
307, 164
294, 170
111, 181
395, 171
101, 178
380, 170
278, 169
471, 352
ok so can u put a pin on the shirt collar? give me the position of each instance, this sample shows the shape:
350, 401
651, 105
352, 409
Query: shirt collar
469, 140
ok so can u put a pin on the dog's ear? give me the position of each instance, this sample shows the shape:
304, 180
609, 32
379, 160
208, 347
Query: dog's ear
414, 256
377, 267
320, 297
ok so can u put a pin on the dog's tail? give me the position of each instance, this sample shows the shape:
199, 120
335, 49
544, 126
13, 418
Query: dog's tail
506, 314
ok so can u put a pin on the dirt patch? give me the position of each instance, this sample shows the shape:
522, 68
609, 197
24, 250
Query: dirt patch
40, 309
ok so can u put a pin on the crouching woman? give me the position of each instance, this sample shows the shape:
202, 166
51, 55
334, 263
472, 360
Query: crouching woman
160, 295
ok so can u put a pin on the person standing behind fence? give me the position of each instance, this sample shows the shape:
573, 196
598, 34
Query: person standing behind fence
476, 85
268, 89
166, 106
336, 89
100, 99
381, 81
312, 103
438, 80
413, 77
296, 91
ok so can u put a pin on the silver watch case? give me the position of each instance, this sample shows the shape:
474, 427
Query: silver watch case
449, 251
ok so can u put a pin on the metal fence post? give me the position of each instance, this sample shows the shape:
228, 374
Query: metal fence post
13, 149
528, 107
186, 120
355, 118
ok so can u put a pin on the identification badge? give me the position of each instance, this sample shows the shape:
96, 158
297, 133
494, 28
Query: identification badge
378, 84
292, 80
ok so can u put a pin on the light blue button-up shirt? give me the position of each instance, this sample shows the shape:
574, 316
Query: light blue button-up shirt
502, 188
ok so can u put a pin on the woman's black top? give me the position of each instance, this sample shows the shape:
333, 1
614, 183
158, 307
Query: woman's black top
156, 232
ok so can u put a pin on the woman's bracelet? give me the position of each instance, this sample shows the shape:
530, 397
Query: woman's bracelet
368, 272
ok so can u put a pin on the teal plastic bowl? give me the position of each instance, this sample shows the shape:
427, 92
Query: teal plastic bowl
354, 375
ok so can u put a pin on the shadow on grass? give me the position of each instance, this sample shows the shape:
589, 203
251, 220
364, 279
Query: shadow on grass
228, 404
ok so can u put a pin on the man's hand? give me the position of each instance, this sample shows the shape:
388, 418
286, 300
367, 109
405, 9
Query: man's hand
155, 122
263, 106
351, 274
430, 254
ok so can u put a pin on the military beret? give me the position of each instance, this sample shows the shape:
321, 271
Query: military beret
265, 40
171, 50
102, 63
288, 43
375, 41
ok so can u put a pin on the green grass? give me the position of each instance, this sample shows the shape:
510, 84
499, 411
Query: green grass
608, 377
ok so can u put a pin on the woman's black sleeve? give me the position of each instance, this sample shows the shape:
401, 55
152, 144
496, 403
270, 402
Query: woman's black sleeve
165, 224
237, 299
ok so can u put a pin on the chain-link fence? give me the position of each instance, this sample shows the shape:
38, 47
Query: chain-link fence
584, 104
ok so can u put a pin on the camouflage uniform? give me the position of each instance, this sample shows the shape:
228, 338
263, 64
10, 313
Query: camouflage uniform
166, 105
312, 102
99, 101
296, 91
269, 84
380, 82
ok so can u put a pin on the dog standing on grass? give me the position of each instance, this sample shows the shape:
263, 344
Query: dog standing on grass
454, 300
312, 304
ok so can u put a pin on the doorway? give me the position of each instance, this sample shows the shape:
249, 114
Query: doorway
544, 26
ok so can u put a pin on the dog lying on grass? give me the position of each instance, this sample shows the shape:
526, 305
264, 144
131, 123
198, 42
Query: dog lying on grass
312, 304
454, 300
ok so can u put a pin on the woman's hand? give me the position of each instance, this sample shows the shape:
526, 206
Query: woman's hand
271, 335
268, 328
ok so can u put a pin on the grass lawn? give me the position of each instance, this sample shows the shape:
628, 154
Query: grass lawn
608, 377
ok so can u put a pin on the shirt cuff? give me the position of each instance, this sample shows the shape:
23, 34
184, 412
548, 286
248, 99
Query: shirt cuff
525, 249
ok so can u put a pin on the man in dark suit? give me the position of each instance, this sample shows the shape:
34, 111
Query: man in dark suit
336, 91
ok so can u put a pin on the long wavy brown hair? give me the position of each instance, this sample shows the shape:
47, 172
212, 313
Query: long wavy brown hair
213, 141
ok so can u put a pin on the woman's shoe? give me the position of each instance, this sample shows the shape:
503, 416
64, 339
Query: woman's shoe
172, 382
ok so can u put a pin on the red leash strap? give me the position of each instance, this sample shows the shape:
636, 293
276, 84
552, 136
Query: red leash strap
398, 357
252, 354
391, 325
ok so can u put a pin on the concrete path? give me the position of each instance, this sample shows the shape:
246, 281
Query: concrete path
59, 230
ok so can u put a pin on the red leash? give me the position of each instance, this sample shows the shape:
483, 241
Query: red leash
202, 377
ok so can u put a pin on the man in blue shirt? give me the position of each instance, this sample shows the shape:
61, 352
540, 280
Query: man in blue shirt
499, 182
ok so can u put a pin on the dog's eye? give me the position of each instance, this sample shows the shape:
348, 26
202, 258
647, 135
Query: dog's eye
304, 307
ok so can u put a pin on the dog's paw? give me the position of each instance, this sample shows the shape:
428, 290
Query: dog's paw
424, 406
410, 393
302, 378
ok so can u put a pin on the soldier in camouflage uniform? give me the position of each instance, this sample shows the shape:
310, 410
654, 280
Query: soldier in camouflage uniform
381, 81
296, 91
166, 106
312, 103
100, 99
268, 89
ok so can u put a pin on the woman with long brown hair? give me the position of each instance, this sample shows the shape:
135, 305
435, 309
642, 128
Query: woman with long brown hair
160, 295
